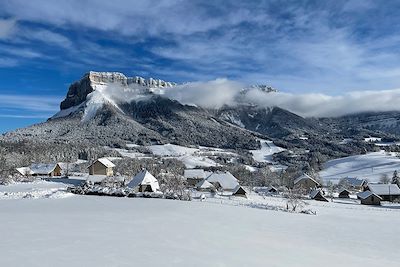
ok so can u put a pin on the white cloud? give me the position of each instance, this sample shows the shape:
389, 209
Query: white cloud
7, 27
30, 103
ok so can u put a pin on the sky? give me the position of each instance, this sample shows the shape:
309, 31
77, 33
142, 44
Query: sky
329, 50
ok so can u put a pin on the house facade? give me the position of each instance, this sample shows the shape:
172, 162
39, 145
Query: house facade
102, 166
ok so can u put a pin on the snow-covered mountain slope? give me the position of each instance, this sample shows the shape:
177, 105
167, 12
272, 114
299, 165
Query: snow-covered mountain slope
371, 166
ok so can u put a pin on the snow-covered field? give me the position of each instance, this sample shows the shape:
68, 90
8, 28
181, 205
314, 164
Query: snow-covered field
105, 231
370, 166
268, 149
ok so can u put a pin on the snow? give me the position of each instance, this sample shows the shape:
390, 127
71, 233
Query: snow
144, 178
171, 150
370, 166
225, 179
67, 112
105, 231
384, 189
367, 194
373, 139
264, 154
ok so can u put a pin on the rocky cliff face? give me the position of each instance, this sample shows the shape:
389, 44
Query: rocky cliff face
78, 91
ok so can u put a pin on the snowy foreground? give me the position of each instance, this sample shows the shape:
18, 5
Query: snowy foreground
42, 225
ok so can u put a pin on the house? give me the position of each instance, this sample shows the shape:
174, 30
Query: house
194, 176
306, 182
225, 180
24, 171
239, 192
144, 182
204, 185
388, 192
101, 166
369, 198
354, 183
266, 190
45, 169
344, 193
316, 194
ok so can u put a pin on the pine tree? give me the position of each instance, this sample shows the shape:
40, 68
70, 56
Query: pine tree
395, 178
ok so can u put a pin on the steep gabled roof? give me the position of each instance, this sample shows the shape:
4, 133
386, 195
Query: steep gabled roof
384, 189
204, 184
195, 173
305, 176
144, 178
42, 168
105, 162
354, 181
225, 179
315, 192
239, 190
24, 171
367, 194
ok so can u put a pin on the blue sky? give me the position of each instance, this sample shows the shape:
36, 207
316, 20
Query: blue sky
329, 47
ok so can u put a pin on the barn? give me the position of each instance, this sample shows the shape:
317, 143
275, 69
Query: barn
194, 176
224, 180
306, 182
238, 191
204, 185
316, 194
144, 182
344, 193
388, 192
101, 166
45, 169
369, 198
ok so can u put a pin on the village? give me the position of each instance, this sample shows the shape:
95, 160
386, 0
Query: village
101, 179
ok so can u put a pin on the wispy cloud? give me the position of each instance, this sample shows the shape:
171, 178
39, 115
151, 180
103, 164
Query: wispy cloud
6, 27
28, 106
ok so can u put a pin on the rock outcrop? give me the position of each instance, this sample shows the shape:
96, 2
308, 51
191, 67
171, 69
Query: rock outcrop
78, 91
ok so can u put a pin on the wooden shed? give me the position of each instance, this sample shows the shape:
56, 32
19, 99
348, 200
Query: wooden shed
369, 198
45, 169
239, 192
344, 193
316, 194
102, 166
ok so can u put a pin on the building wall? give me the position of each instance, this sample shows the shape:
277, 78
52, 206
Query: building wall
99, 169
372, 200
57, 171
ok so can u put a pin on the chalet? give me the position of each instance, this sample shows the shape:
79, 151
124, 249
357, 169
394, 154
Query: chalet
102, 166
144, 182
238, 191
344, 193
45, 169
354, 183
316, 194
306, 182
369, 198
204, 185
194, 176
225, 180
24, 171
388, 192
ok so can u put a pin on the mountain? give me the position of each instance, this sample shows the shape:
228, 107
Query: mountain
108, 109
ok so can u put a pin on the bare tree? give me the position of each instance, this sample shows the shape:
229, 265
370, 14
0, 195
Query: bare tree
294, 199
384, 179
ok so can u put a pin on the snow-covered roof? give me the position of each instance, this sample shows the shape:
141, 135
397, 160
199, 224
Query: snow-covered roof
204, 184
42, 168
225, 179
106, 162
144, 178
195, 173
384, 189
315, 192
305, 176
354, 181
24, 171
367, 194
